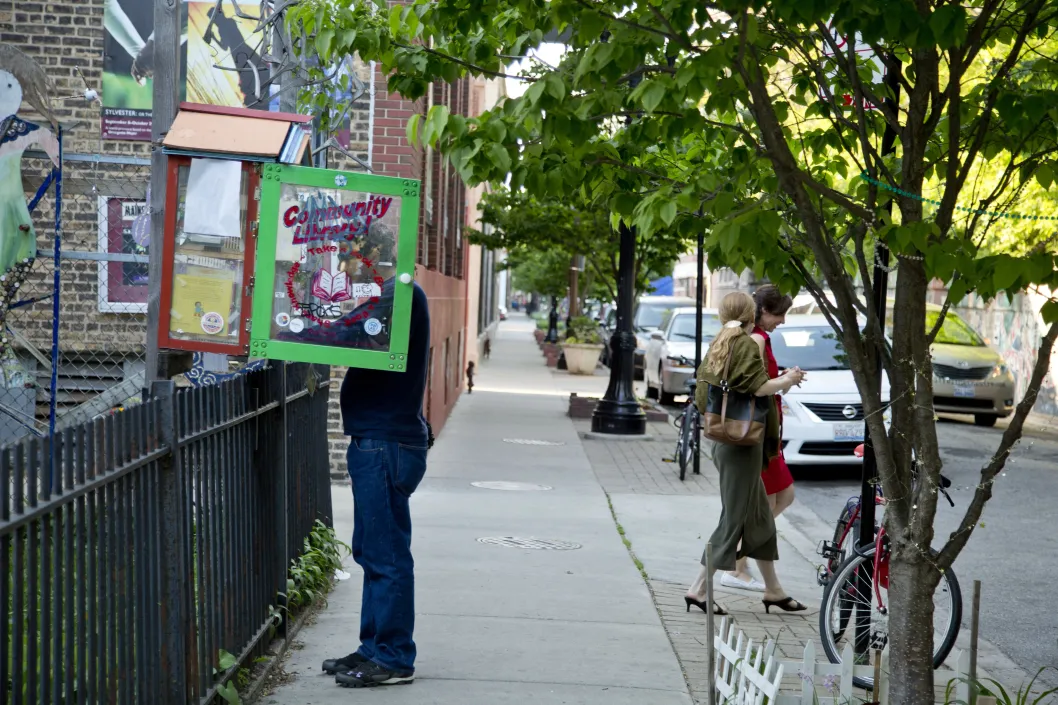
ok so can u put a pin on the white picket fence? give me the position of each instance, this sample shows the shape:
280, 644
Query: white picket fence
747, 673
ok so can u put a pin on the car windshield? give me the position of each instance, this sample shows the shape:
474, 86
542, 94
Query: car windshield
810, 348
955, 331
649, 316
683, 327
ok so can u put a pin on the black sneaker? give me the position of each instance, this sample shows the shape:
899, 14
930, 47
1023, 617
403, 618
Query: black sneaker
333, 666
370, 674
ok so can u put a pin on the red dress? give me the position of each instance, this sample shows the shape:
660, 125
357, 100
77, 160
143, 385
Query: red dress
776, 476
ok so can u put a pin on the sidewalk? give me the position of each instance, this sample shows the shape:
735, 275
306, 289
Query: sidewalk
668, 522
499, 624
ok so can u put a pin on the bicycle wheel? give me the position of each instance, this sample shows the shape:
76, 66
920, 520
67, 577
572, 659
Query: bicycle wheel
687, 445
842, 596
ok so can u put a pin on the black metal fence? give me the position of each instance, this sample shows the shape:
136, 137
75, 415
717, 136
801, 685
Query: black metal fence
135, 548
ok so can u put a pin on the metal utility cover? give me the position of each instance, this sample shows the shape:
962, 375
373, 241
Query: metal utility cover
535, 544
532, 442
510, 486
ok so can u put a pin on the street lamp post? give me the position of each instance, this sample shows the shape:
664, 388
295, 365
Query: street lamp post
552, 322
619, 411
865, 537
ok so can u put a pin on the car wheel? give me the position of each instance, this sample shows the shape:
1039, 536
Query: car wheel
986, 420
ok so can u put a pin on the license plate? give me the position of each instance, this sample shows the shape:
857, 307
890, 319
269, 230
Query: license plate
848, 432
965, 391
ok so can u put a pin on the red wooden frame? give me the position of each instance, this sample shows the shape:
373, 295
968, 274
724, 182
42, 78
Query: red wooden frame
245, 112
169, 261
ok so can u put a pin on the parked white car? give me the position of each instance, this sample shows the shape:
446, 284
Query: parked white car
823, 418
669, 356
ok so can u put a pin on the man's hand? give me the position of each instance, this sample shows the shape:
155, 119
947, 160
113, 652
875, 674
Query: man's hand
143, 64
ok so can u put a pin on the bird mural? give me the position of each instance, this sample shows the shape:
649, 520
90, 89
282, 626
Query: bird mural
21, 79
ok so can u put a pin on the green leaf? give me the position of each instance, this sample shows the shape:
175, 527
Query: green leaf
436, 120
534, 92
324, 43
1049, 312
949, 25
413, 129
1045, 175
395, 17
226, 660
230, 694
499, 157
555, 87
1006, 273
668, 212
652, 95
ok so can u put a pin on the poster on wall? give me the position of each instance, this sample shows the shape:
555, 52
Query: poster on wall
220, 59
128, 66
224, 62
122, 284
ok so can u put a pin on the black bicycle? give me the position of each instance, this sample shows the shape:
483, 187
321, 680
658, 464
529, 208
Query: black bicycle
689, 422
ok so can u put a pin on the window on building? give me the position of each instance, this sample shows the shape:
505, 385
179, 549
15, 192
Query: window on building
124, 233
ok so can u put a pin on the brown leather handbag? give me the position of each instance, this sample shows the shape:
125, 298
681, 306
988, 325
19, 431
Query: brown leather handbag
732, 417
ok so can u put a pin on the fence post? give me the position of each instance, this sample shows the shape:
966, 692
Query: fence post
279, 387
175, 597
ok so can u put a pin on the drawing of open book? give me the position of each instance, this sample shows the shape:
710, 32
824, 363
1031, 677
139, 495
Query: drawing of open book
331, 286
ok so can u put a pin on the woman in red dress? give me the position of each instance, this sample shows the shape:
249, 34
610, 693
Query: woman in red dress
772, 306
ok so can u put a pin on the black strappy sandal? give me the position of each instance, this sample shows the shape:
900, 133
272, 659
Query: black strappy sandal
787, 604
717, 609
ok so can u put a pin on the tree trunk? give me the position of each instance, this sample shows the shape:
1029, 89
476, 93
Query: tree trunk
912, 581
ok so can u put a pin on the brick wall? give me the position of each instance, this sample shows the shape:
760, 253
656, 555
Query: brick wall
441, 253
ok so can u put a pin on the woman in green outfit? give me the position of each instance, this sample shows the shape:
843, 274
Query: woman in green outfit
746, 527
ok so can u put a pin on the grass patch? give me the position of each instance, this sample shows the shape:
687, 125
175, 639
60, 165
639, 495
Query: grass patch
627, 543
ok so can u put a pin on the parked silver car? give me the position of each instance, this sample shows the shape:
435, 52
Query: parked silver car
669, 356
968, 376
650, 314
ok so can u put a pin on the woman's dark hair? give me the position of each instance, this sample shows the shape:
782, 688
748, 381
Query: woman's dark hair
769, 298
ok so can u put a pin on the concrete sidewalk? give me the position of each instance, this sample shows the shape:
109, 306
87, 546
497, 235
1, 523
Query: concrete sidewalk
499, 624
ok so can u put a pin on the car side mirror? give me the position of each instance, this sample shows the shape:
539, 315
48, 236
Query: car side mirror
657, 335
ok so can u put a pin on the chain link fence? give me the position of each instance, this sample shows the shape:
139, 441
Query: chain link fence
79, 337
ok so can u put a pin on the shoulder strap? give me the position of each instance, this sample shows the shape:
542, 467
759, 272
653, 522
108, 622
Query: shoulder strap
727, 366
725, 386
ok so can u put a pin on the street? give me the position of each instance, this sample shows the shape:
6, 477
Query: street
1016, 528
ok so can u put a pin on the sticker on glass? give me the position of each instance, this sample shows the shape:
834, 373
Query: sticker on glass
339, 180
372, 326
297, 325
283, 320
366, 290
212, 323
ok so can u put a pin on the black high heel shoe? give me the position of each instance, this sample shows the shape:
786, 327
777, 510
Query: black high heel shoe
787, 604
717, 609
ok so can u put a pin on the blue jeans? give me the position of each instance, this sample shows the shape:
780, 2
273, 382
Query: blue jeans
384, 475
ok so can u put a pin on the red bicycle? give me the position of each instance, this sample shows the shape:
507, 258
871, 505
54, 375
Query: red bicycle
855, 575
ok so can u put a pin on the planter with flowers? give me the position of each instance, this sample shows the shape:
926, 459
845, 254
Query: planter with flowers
583, 347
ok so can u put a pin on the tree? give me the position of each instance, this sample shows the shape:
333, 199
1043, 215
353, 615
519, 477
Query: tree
539, 272
685, 114
520, 223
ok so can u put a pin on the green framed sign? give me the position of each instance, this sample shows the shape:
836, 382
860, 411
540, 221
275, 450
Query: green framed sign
335, 267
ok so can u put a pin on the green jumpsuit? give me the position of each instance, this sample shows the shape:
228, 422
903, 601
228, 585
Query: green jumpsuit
745, 515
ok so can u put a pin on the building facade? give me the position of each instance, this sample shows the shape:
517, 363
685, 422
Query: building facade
100, 332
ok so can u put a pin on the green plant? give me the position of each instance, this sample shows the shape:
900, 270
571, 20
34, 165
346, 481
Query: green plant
312, 572
585, 331
225, 662
996, 690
